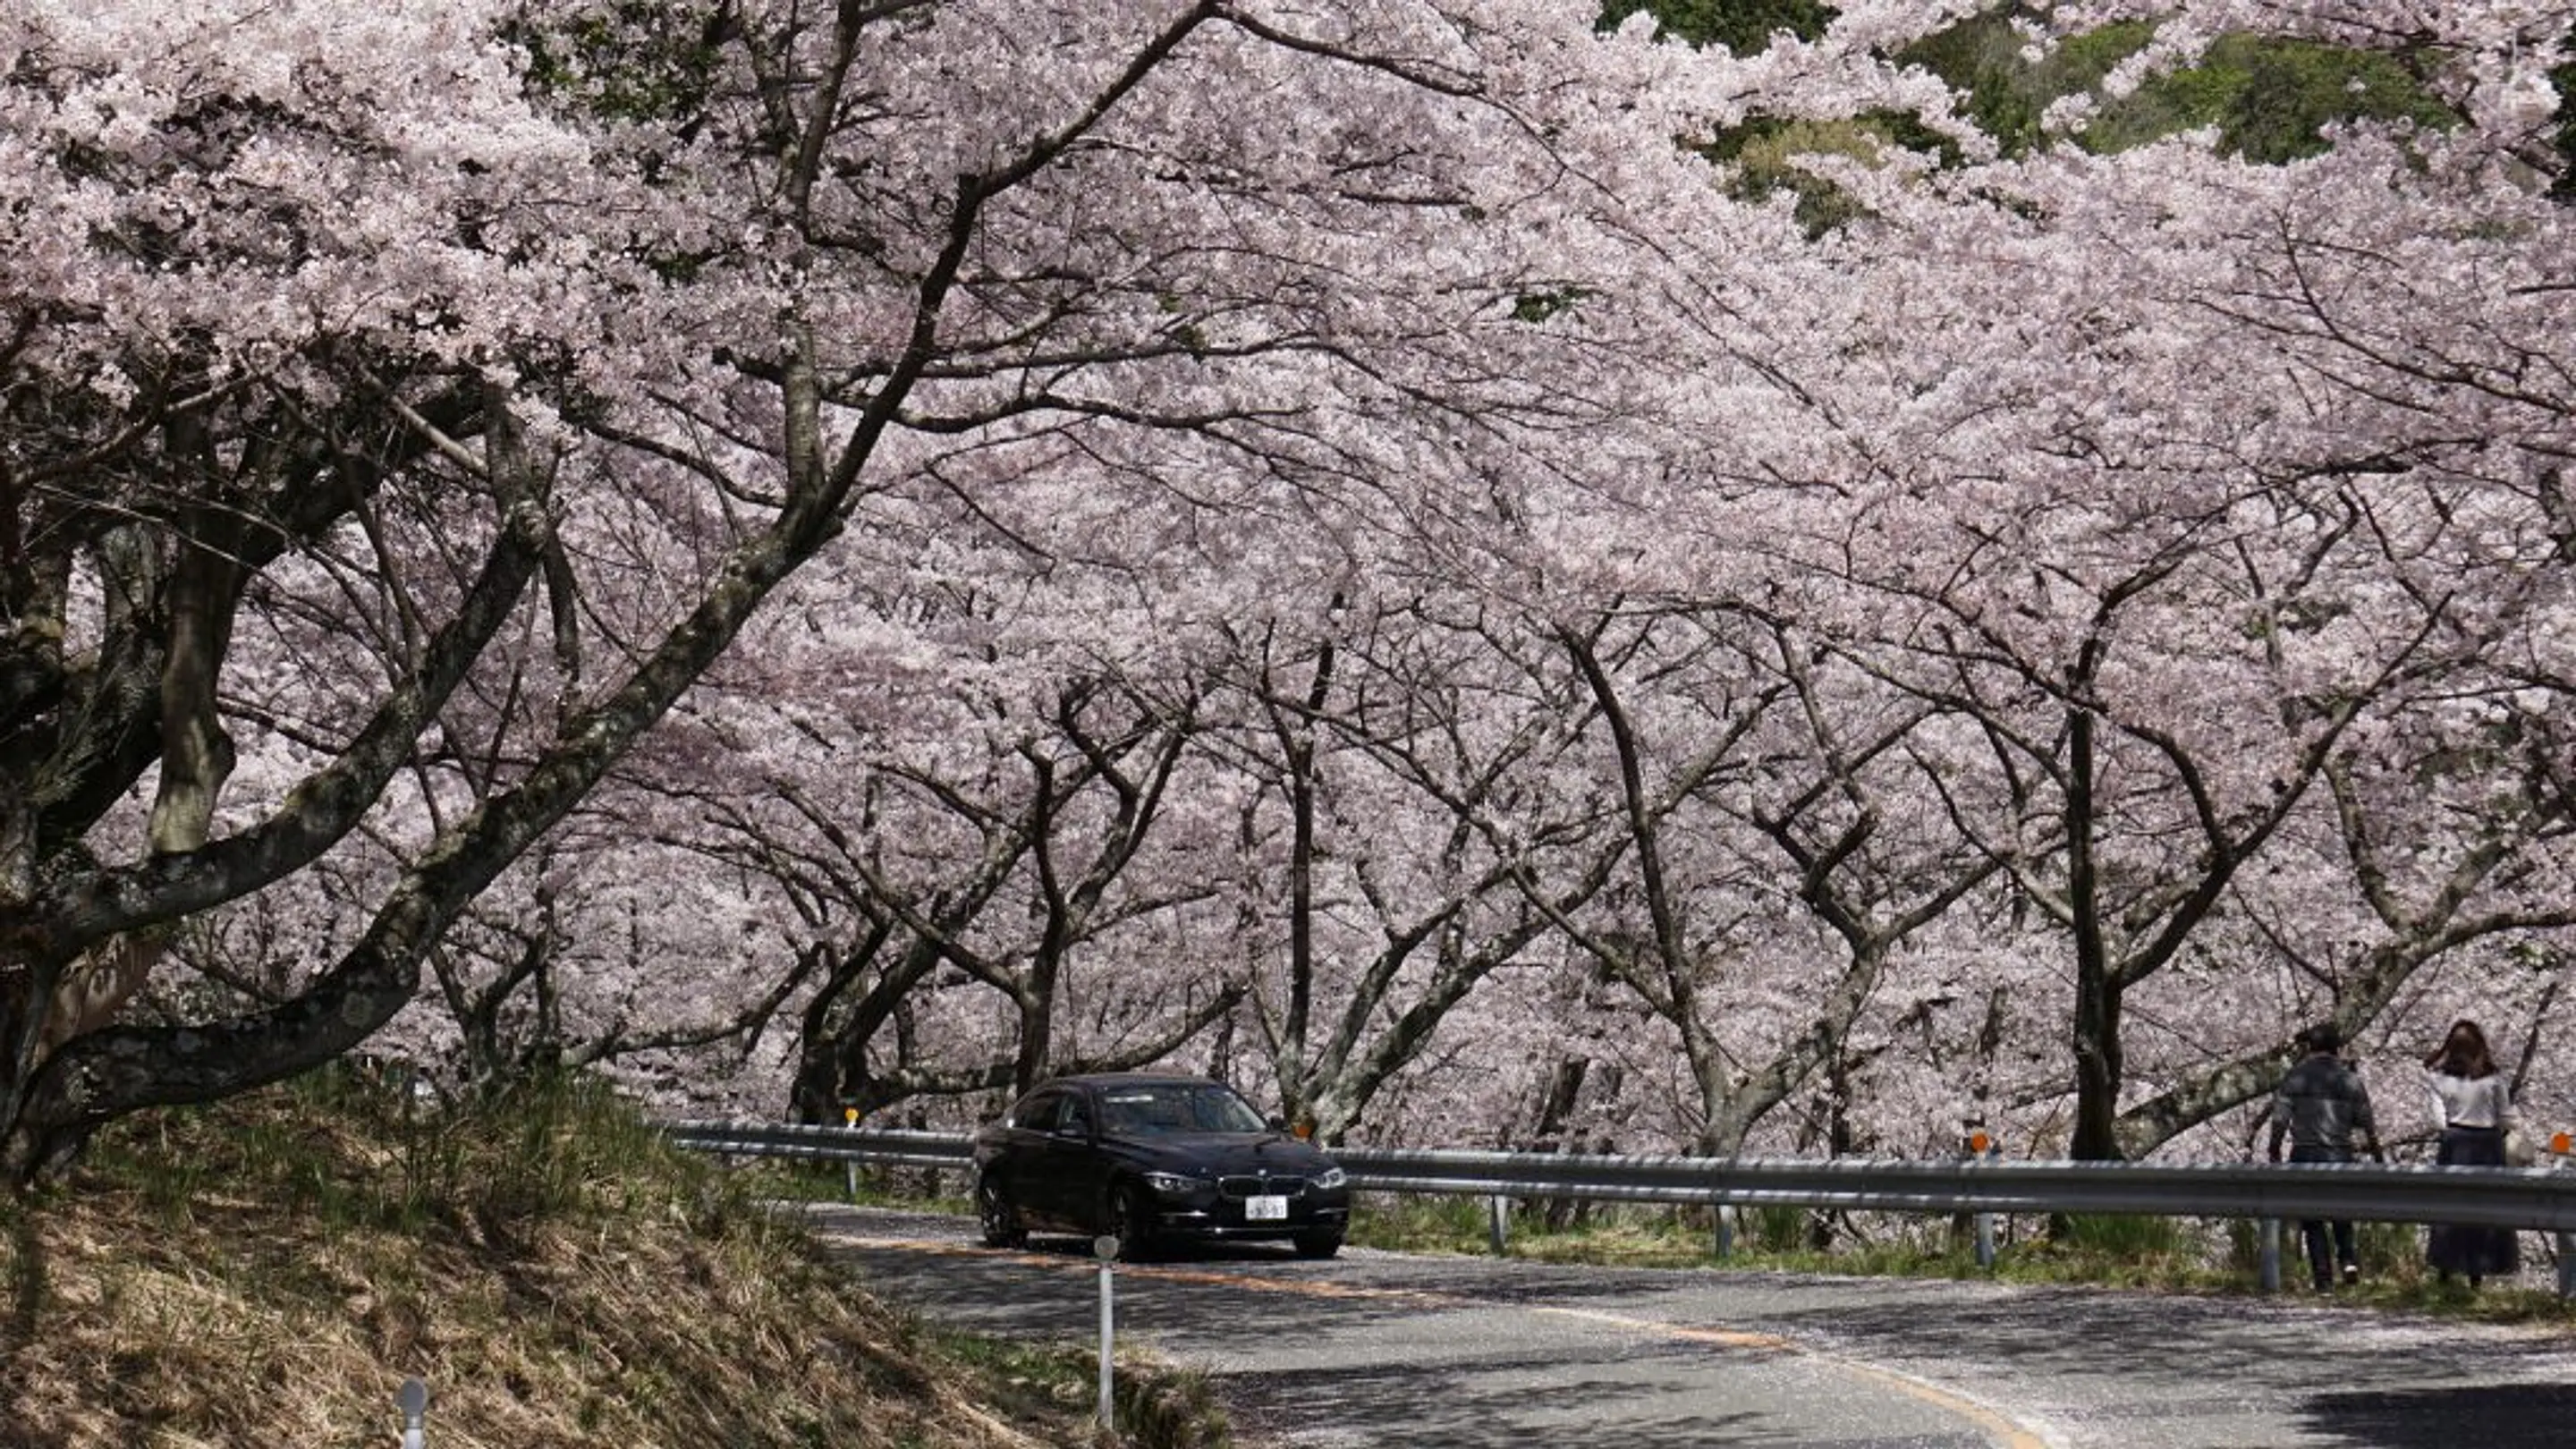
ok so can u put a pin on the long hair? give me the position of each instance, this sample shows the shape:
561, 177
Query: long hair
2463, 1052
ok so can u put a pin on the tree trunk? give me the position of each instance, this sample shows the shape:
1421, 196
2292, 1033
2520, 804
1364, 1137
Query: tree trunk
2096, 1038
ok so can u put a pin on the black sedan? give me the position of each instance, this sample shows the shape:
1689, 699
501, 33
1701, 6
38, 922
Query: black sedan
1154, 1160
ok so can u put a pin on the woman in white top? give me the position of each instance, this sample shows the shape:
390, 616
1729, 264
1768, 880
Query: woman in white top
2472, 1105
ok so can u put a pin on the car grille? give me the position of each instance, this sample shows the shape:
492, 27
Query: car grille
1264, 1185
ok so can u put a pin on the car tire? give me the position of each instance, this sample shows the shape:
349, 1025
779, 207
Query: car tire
1129, 1219
1318, 1245
1001, 1220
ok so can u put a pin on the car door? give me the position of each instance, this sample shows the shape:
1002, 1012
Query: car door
1090, 1160
1019, 1165
1060, 1172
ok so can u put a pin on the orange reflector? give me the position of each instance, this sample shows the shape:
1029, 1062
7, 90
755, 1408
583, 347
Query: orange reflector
2560, 1144
1979, 1142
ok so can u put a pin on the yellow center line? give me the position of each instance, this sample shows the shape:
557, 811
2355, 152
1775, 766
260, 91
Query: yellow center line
2005, 1433
1686, 1332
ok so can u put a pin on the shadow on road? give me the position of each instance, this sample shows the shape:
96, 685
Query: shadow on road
2520, 1416
1441, 1409
2079, 1333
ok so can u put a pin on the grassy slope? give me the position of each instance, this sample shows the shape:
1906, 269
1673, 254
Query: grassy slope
269, 1271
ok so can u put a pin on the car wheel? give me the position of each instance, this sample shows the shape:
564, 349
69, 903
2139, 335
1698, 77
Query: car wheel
1002, 1226
1130, 1219
1318, 1245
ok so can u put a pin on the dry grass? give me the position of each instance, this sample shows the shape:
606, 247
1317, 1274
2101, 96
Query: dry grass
270, 1271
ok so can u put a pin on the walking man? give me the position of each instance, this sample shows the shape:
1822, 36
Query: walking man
2319, 1106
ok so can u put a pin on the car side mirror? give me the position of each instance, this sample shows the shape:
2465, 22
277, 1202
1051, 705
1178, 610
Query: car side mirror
1278, 1123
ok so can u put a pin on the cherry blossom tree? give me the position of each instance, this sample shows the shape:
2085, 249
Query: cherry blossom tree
1407, 806
1008, 876
219, 364
635, 319
2451, 813
1000, 527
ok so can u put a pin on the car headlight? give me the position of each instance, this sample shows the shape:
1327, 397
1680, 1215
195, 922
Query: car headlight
1333, 1177
1171, 1182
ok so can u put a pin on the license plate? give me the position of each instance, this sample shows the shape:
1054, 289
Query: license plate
1269, 1208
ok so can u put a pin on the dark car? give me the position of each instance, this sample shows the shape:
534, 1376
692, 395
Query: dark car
1154, 1160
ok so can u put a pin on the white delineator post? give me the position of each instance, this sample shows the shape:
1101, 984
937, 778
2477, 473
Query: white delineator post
850, 1121
2559, 1148
1106, 1249
1982, 1147
414, 1403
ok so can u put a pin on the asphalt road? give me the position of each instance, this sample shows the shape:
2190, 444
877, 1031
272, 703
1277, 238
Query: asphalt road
1376, 1349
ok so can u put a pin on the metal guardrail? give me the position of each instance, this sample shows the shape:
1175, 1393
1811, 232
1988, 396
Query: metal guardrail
2537, 1198
872, 1146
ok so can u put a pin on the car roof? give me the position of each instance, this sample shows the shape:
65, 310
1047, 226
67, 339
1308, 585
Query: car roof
1113, 1080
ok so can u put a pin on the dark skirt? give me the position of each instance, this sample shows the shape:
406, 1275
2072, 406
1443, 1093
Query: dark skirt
2479, 1252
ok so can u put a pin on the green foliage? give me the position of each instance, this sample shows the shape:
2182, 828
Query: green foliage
1540, 306
1742, 26
2124, 1234
1775, 1229
2006, 93
2175, 1255
2271, 100
1763, 157
1419, 1224
553, 1145
2563, 81
628, 60
789, 1179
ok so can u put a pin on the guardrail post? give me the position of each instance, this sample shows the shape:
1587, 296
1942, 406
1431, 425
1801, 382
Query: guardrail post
1498, 1211
2267, 1254
1725, 1214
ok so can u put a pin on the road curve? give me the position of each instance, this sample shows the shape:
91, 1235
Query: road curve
1463, 1353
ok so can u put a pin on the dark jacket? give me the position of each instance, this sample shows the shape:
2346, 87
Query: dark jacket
2321, 1104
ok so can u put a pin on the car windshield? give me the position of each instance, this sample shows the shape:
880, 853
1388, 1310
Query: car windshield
1153, 1109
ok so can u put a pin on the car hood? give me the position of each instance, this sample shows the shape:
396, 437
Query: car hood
1217, 1154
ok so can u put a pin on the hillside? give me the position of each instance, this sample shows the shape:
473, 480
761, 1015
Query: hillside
270, 1271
